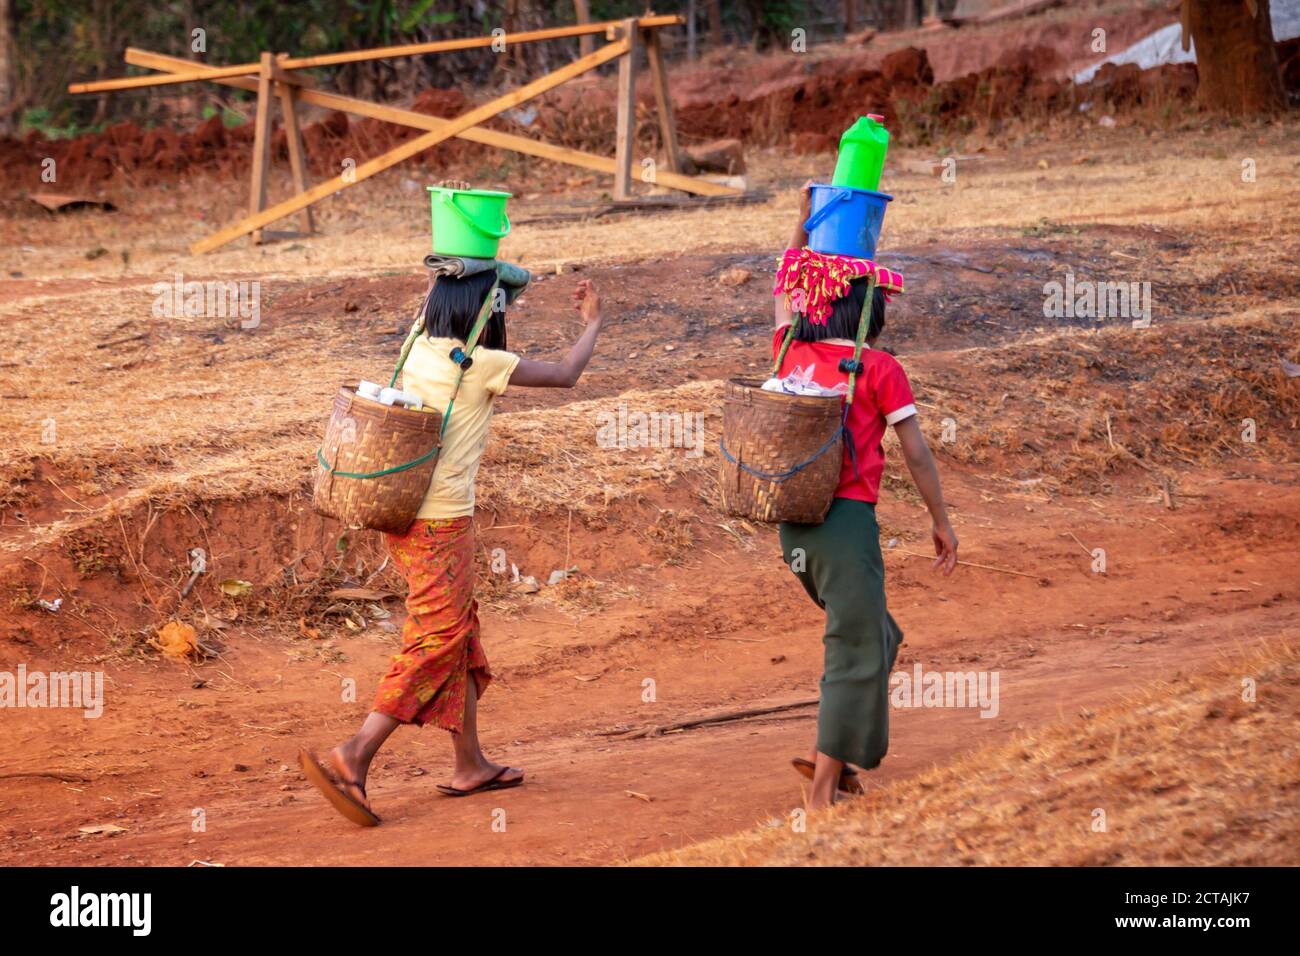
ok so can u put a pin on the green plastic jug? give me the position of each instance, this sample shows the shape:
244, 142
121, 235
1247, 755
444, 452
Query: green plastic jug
862, 153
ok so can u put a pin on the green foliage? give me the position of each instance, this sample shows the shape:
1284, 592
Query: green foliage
38, 118
229, 118
776, 18
420, 14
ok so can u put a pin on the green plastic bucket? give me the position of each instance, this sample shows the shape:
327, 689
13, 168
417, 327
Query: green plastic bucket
468, 222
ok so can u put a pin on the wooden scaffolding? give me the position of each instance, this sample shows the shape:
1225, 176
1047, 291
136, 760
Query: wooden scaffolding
279, 77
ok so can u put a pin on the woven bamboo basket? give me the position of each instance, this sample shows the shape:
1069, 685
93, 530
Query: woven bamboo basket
374, 467
781, 454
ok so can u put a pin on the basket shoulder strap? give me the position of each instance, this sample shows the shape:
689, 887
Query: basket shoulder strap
416, 328
785, 345
864, 321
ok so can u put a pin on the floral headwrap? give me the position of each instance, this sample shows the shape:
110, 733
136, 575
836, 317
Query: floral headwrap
812, 281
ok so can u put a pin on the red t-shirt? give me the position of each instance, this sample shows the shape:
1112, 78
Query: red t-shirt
882, 397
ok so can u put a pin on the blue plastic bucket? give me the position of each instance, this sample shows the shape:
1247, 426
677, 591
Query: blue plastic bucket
845, 221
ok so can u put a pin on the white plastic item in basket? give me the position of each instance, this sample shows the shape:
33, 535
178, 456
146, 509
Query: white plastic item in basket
800, 382
389, 396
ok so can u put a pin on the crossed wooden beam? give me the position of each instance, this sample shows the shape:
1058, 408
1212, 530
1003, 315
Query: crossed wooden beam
275, 77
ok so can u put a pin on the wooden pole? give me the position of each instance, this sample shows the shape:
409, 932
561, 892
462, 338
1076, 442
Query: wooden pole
412, 147
201, 72
424, 121
442, 46
625, 124
261, 142
190, 76
297, 157
663, 99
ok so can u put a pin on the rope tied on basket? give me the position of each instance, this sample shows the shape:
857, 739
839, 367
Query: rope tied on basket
779, 476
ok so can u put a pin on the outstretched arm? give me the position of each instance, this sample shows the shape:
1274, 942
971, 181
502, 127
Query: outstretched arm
565, 374
798, 239
921, 464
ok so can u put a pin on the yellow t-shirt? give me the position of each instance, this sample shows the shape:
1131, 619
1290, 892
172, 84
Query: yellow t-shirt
430, 373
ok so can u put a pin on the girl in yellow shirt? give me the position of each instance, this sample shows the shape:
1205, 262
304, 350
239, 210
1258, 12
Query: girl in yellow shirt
441, 671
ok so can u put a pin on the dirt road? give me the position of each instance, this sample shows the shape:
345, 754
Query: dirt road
1178, 593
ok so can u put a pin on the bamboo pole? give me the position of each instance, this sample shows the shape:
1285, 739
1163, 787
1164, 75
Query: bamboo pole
190, 76
297, 156
261, 142
663, 100
625, 124
357, 56
469, 43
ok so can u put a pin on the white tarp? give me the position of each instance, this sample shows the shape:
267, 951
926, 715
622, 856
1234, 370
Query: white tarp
1166, 44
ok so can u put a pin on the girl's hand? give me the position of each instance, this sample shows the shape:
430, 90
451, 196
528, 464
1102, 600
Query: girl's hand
945, 546
566, 374
453, 184
799, 238
805, 202
587, 301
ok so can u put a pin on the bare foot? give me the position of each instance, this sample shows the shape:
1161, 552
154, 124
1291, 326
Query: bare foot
350, 772
816, 802
849, 780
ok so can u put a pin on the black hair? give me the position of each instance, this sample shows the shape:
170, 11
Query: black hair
845, 312
453, 306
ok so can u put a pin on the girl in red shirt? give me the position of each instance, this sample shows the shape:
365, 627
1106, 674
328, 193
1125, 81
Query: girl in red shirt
838, 562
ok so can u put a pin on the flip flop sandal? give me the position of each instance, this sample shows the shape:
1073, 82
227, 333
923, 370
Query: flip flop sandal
849, 782
496, 783
332, 786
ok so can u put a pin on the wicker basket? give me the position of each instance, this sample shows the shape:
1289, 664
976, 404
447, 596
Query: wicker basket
374, 467
781, 454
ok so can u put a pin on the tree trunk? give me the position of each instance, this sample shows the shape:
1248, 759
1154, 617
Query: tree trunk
715, 22
690, 30
8, 121
899, 14
586, 42
1236, 59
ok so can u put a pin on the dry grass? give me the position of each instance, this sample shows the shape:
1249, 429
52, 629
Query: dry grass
552, 459
544, 461
141, 407
194, 408
1079, 175
1173, 394
1075, 409
195, 411
1186, 773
